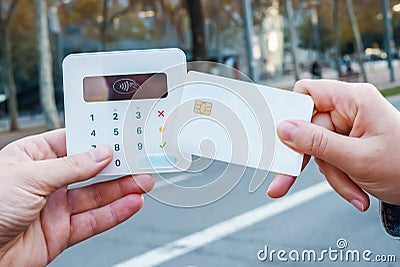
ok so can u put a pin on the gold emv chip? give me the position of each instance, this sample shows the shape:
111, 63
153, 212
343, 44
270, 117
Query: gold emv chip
202, 107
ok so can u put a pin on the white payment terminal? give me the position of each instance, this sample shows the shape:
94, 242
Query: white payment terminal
123, 99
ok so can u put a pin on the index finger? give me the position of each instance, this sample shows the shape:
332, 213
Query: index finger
57, 142
327, 94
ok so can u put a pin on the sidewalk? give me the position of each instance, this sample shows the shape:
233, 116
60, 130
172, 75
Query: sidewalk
7, 137
377, 74
29, 125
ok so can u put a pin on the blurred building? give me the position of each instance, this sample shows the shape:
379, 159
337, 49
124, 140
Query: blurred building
269, 43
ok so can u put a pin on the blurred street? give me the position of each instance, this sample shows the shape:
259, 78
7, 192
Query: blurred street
208, 236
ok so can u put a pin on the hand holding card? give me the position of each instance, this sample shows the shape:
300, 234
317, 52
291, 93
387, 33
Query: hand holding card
240, 119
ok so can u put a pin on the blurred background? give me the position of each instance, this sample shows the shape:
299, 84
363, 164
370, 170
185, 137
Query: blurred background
272, 41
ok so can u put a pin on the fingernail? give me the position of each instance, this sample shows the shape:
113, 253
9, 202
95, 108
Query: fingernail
358, 204
287, 130
101, 153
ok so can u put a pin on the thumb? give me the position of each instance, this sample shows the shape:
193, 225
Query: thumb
47, 176
317, 141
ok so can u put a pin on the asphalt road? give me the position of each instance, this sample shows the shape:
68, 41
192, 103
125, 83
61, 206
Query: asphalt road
232, 230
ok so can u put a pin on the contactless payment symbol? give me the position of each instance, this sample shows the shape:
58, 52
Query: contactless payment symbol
125, 86
202, 107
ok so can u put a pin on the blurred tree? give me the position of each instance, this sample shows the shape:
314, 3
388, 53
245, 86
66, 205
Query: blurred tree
176, 12
215, 11
25, 56
111, 21
260, 8
357, 36
7, 9
46, 83
367, 12
307, 38
225, 22
336, 37
293, 38
197, 25
107, 19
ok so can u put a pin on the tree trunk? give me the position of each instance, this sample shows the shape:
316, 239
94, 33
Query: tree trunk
387, 18
103, 27
357, 35
249, 31
46, 82
218, 33
199, 51
336, 37
293, 38
8, 77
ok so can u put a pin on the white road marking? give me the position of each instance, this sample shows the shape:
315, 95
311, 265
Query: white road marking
220, 230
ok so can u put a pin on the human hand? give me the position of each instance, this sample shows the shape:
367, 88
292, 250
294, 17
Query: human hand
354, 139
40, 217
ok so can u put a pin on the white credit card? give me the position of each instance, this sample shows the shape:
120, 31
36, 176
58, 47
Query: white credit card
235, 121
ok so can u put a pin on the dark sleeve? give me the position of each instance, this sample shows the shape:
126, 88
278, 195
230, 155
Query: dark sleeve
391, 219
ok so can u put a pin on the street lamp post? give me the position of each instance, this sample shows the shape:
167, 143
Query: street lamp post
387, 18
336, 34
293, 38
315, 25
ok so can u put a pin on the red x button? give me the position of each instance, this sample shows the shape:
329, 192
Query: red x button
161, 113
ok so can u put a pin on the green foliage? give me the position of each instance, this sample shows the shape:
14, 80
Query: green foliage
390, 91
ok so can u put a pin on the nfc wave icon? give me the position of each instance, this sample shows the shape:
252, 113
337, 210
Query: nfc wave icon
126, 86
